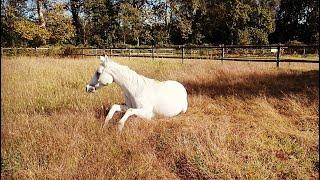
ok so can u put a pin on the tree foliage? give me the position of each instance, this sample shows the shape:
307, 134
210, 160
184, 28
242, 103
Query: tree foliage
76, 8
297, 20
59, 25
104, 23
31, 32
25, 28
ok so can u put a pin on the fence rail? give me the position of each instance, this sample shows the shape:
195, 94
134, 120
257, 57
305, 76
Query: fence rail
245, 53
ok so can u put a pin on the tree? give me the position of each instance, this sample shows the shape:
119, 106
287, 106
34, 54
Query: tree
182, 20
131, 22
105, 23
11, 10
59, 25
40, 11
297, 20
76, 7
227, 22
25, 25
157, 19
260, 25
102, 22
31, 32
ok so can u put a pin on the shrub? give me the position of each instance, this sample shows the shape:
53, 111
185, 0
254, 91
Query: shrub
69, 50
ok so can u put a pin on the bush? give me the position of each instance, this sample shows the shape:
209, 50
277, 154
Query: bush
294, 51
69, 50
294, 43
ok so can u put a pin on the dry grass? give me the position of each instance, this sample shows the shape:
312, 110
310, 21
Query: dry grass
247, 121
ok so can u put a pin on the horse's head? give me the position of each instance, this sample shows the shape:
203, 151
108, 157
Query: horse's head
101, 77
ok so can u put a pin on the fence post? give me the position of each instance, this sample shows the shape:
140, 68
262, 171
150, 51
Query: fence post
152, 52
110, 52
222, 53
129, 54
212, 53
278, 55
82, 52
1, 52
182, 54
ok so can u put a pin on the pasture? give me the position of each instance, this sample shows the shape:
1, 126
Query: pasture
245, 120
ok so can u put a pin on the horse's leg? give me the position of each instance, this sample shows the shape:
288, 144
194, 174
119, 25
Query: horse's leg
139, 112
114, 109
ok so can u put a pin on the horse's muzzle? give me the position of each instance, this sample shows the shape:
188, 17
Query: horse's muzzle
90, 89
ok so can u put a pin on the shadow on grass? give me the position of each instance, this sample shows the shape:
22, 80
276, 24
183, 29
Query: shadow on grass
252, 85
101, 114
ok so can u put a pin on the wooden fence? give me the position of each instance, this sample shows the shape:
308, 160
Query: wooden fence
249, 53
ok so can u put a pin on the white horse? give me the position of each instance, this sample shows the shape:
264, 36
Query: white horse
144, 97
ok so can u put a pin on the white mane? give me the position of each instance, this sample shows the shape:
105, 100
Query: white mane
127, 79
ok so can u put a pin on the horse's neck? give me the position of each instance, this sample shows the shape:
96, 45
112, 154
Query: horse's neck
129, 81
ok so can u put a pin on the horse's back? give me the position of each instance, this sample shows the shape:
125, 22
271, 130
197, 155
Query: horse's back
171, 98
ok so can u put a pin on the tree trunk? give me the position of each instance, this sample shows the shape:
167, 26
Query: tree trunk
75, 8
169, 26
166, 13
42, 22
138, 41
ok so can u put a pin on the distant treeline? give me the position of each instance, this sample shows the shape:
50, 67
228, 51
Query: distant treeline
116, 23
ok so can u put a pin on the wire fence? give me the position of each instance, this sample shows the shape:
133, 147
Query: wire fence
248, 53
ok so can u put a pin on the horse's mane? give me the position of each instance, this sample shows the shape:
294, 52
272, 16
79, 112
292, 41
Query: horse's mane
122, 68
126, 71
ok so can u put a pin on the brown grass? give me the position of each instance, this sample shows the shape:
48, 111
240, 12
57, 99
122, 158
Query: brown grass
248, 121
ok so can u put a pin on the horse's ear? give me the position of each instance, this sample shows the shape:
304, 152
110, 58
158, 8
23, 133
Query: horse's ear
107, 58
102, 59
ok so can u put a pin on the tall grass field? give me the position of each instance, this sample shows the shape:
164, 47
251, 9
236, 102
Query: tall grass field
244, 121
